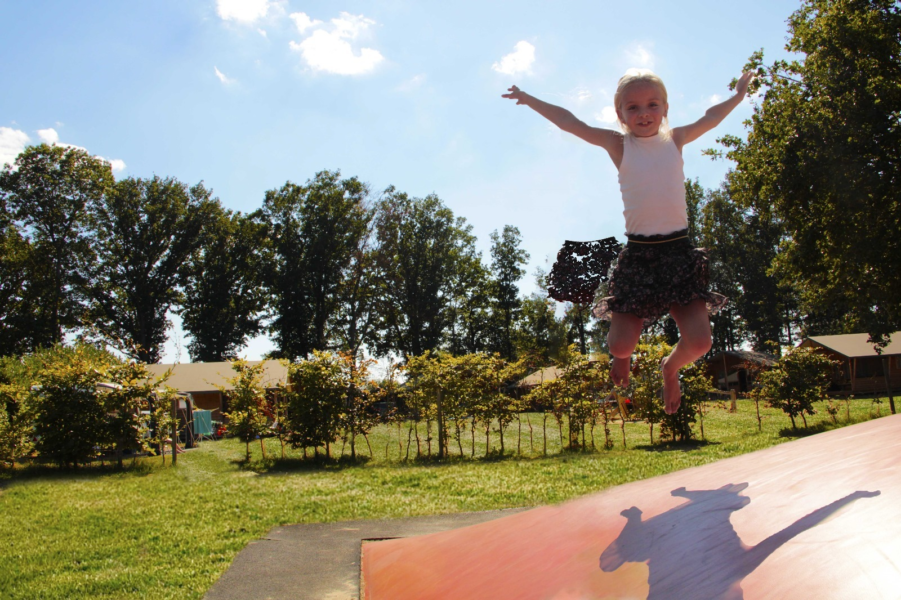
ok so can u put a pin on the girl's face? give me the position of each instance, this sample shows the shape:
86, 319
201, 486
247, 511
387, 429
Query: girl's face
642, 109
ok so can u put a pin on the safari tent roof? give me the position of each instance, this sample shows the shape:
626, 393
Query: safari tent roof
209, 377
854, 345
541, 375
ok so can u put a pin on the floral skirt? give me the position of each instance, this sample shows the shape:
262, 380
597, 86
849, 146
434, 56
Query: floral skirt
654, 272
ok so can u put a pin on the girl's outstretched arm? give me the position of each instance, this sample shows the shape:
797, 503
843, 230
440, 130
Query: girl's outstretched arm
609, 140
714, 115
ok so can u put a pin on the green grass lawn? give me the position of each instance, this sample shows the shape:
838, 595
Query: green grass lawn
161, 532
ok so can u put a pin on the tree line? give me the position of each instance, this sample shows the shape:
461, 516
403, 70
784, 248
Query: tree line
322, 266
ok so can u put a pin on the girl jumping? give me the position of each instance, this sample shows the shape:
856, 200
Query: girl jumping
659, 271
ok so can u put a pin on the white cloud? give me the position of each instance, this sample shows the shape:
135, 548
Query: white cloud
607, 115
48, 136
411, 84
303, 21
222, 77
518, 61
243, 11
12, 142
715, 99
262, 32
117, 164
583, 95
330, 51
640, 55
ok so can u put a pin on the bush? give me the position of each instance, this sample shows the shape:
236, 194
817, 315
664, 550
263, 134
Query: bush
69, 415
797, 380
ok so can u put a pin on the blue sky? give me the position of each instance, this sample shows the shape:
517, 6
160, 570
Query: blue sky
248, 94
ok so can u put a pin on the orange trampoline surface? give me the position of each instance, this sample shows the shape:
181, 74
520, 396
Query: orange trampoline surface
818, 518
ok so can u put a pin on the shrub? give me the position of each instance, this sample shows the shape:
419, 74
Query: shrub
797, 380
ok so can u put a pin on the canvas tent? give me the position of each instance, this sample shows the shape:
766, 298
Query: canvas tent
863, 370
204, 380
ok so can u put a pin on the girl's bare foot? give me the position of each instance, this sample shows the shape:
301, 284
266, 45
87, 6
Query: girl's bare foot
619, 372
672, 392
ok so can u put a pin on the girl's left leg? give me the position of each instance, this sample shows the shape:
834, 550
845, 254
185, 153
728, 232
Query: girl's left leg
694, 342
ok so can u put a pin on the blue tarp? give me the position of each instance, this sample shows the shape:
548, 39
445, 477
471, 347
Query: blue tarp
203, 422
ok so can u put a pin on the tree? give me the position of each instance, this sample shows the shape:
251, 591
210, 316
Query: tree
419, 239
355, 322
316, 400
577, 317
507, 260
23, 277
124, 405
145, 230
823, 156
695, 385
798, 379
469, 299
48, 192
224, 297
66, 408
15, 422
247, 399
315, 230
539, 333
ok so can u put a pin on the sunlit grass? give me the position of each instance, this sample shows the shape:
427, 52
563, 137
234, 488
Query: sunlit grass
155, 532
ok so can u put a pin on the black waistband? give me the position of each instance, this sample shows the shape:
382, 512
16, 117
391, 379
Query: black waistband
663, 238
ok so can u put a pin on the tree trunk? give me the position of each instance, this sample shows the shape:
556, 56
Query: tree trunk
531, 444
175, 433
442, 442
544, 433
409, 442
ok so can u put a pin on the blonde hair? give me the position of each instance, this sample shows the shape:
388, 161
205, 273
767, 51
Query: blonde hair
632, 77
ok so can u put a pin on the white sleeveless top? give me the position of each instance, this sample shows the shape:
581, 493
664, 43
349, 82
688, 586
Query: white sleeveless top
652, 183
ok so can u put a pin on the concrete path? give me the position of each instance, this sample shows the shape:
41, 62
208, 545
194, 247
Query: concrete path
321, 561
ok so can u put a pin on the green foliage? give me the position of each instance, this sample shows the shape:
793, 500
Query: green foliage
695, 384
163, 422
316, 400
800, 378
646, 382
315, 231
470, 387
47, 194
126, 426
420, 240
223, 293
145, 230
823, 159
247, 418
23, 277
507, 260
468, 310
358, 417
68, 412
577, 396
15, 426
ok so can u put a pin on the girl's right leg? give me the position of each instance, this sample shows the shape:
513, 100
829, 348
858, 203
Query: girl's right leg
625, 329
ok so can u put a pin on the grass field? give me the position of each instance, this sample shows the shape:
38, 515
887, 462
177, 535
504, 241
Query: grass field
161, 532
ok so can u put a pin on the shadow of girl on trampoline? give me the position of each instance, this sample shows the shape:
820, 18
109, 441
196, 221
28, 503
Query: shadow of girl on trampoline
692, 551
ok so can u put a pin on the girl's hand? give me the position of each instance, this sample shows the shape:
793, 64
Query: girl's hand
741, 86
516, 94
